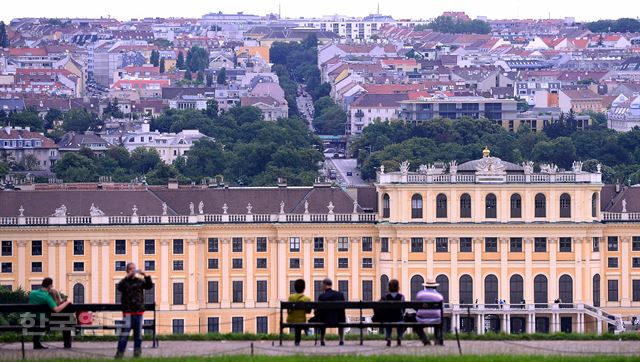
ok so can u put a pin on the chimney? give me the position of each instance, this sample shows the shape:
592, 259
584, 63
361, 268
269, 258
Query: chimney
173, 184
282, 182
146, 127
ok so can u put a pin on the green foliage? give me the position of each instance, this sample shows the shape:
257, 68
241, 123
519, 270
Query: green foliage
222, 76
4, 38
162, 66
197, 59
26, 118
622, 25
80, 121
155, 58
112, 110
53, 114
329, 118
180, 61
162, 43
4, 169
446, 24
74, 167
200, 76
188, 75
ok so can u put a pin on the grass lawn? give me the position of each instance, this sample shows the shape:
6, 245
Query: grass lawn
384, 358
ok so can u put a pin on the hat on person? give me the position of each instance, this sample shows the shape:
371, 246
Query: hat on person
430, 283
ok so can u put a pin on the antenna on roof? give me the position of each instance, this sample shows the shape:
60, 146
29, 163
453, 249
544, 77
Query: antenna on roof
378, 7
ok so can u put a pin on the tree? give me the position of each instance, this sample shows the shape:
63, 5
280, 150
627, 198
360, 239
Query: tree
200, 76
188, 75
4, 169
155, 58
447, 24
212, 108
162, 66
205, 158
197, 59
74, 167
162, 43
209, 79
4, 37
53, 115
144, 160
180, 61
26, 118
222, 76
80, 121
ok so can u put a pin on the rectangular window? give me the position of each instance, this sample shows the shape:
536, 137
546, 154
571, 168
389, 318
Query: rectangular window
317, 288
78, 266
212, 263
635, 290
237, 325
178, 293
261, 263
120, 265
367, 263
149, 246
294, 263
343, 244
417, 245
343, 263
212, 291
596, 244
78, 247
491, 245
294, 244
121, 247
7, 248
238, 291
612, 243
36, 247
384, 245
565, 245
612, 290
178, 326
635, 262
178, 246
236, 245
213, 325
343, 287
442, 245
149, 265
515, 245
367, 290
212, 245
635, 243
261, 244
150, 295
318, 263
318, 244
236, 263
178, 265
466, 245
367, 243
36, 267
262, 325
540, 245
261, 291
612, 262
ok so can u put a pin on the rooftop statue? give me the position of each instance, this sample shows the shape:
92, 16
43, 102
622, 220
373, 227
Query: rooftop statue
94, 211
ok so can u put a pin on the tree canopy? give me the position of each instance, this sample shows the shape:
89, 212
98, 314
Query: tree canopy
447, 24
622, 25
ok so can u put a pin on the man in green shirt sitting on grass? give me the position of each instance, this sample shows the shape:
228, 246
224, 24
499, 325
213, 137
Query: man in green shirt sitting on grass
42, 297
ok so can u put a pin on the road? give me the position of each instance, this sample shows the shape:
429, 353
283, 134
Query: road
344, 165
305, 106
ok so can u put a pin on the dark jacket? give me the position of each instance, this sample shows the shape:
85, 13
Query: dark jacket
331, 317
392, 314
132, 290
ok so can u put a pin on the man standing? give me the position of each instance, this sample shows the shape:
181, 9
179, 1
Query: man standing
42, 297
331, 317
432, 316
132, 288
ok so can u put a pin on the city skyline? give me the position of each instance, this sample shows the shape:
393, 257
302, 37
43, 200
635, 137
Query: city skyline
493, 9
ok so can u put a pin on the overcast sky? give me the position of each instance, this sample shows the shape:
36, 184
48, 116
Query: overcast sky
494, 9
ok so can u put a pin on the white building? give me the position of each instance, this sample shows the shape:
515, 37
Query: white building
168, 145
624, 114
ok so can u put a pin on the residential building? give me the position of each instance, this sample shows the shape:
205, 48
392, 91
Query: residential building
424, 109
74, 142
32, 149
370, 107
169, 145
580, 100
271, 108
624, 114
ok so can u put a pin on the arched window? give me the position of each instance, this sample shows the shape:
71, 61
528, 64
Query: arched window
466, 289
516, 206
490, 289
416, 206
565, 205
541, 205
443, 286
490, 207
594, 205
465, 206
596, 290
516, 289
78, 293
384, 285
540, 291
416, 285
565, 289
441, 206
386, 206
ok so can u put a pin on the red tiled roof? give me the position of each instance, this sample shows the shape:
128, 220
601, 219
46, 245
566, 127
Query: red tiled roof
21, 52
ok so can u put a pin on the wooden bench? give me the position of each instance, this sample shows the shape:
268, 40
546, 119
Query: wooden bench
361, 324
27, 310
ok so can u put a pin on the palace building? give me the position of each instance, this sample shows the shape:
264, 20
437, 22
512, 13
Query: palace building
513, 249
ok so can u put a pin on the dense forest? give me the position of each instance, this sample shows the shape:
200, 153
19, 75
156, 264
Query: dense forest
447, 24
